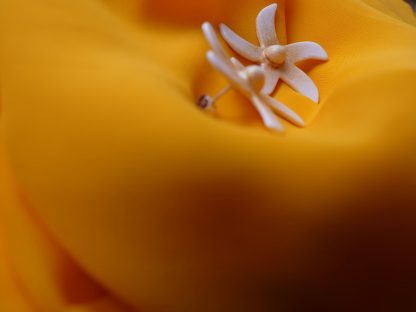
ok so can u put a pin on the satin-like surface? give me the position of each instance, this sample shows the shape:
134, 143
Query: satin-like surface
118, 194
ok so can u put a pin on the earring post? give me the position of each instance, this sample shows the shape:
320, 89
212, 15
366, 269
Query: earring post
206, 102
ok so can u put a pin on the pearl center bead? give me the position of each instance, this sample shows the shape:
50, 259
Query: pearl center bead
276, 55
256, 77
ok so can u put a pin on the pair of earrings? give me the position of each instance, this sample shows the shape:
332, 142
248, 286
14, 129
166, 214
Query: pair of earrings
273, 62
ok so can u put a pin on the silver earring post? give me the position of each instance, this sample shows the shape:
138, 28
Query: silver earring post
206, 102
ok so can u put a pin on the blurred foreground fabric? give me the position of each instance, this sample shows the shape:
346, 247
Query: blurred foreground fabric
118, 194
412, 3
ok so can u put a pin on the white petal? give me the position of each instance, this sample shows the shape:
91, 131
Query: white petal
300, 51
221, 61
228, 70
240, 45
299, 81
269, 118
272, 78
213, 41
237, 64
266, 26
284, 111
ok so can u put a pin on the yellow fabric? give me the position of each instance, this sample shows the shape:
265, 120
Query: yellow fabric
118, 194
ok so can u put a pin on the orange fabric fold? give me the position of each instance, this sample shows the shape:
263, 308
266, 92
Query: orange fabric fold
117, 191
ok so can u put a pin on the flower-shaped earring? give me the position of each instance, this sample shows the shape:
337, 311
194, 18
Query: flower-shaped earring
249, 81
277, 60
274, 61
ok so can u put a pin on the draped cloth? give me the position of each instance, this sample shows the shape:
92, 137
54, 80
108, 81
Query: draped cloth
119, 194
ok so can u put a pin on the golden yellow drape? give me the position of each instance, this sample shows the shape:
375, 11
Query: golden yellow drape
118, 194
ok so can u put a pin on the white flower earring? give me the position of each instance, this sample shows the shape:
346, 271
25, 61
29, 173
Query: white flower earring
277, 60
274, 61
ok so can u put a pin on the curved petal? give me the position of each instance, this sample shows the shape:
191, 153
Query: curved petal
228, 70
221, 61
266, 26
213, 41
299, 81
240, 45
284, 111
269, 118
272, 78
300, 51
237, 64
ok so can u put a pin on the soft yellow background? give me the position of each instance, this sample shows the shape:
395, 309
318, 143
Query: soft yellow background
118, 194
